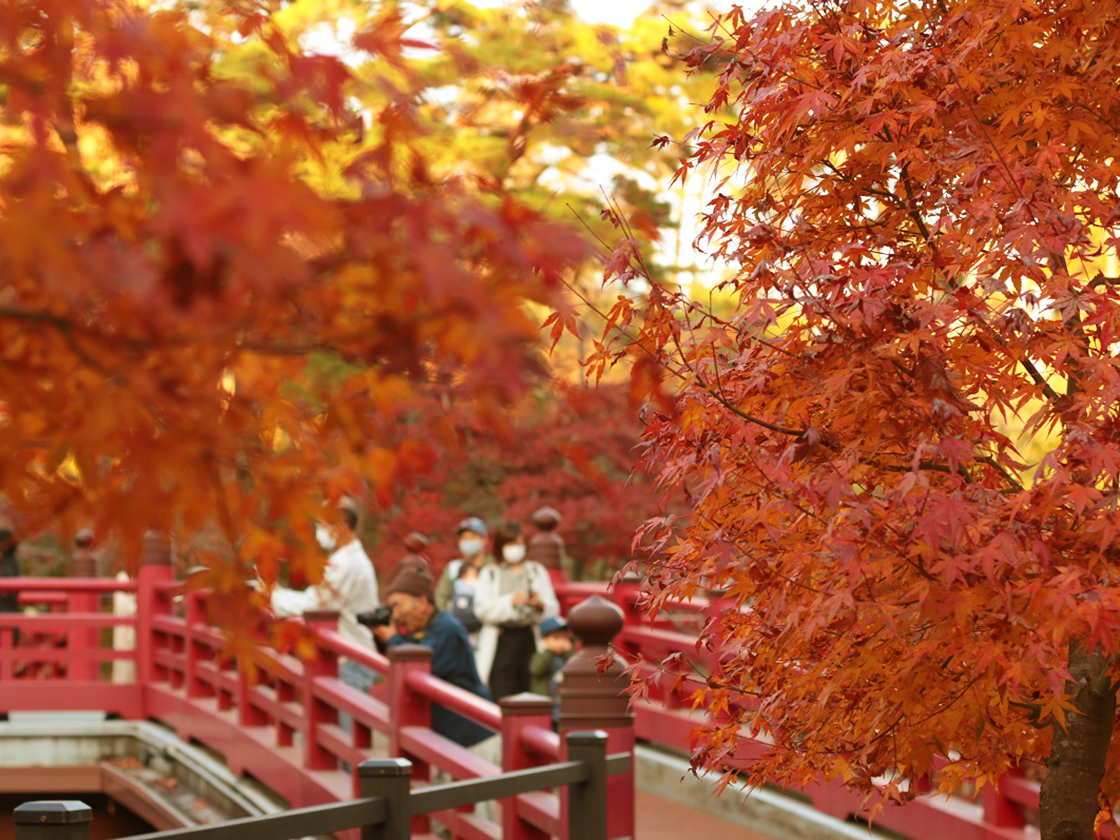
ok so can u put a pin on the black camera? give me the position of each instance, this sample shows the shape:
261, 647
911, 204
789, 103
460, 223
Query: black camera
379, 616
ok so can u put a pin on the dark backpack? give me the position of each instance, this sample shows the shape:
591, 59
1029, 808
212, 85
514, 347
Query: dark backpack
462, 602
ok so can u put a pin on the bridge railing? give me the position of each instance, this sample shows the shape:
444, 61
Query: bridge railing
184, 679
385, 806
277, 716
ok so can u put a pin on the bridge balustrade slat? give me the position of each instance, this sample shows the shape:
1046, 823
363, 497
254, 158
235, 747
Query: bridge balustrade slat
367, 710
337, 742
64, 655
336, 643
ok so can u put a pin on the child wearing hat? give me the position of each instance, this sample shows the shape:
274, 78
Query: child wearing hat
546, 668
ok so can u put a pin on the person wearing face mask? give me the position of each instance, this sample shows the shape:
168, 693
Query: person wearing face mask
349, 585
456, 587
511, 600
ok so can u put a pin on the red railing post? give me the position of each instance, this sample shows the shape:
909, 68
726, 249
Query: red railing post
83, 640
519, 712
999, 811
407, 708
7, 666
196, 650
315, 712
151, 602
592, 697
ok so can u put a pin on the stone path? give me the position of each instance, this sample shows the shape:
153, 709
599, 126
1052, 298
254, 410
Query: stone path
663, 819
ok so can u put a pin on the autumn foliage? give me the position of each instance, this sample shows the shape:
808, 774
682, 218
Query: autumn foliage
916, 206
569, 447
195, 221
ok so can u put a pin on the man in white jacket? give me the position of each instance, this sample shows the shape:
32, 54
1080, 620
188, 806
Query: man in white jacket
349, 587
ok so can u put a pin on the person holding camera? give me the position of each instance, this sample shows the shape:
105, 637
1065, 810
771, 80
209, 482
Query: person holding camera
511, 599
415, 619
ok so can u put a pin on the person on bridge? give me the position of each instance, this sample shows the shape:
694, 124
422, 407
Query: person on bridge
512, 598
417, 620
348, 587
455, 590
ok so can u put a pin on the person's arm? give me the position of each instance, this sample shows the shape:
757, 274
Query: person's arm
288, 602
542, 586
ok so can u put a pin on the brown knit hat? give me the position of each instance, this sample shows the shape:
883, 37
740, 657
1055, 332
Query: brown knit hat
414, 581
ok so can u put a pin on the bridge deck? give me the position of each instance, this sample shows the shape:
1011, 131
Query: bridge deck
662, 819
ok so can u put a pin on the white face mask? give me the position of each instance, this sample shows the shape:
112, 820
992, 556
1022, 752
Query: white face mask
513, 553
470, 547
326, 539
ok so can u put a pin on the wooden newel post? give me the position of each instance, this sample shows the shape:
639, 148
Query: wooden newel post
387, 779
407, 708
152, 601
590, 700
316, 713
518, 712
999, 810
588, 806
83, 562
546, 546
83, 639
52, 820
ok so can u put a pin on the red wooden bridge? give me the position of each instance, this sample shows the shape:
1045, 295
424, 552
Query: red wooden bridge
282, 726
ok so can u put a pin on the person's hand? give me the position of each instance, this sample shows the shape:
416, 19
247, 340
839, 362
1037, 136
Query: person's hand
385, 632
535, 601
519, 597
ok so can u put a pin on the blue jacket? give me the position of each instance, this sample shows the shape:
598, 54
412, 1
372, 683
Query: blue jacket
453, 661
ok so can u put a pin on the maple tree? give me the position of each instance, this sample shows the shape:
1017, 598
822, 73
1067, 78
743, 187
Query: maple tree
915, 204
196, 216
565, 446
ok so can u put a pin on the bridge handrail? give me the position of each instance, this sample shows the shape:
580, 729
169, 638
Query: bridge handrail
336, 643
65, 585
457, 699
385, 800
178, 654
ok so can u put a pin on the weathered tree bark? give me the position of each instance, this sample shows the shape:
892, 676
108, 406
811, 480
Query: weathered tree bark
1069, 799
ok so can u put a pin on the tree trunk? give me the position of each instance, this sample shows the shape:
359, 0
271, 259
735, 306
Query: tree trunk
1069, 800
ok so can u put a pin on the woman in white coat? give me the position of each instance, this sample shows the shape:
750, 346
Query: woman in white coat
511, 599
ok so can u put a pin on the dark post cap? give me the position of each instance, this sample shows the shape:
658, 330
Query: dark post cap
595, 621
385, 767
53, 812
84, 538
525, 703
584, 737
